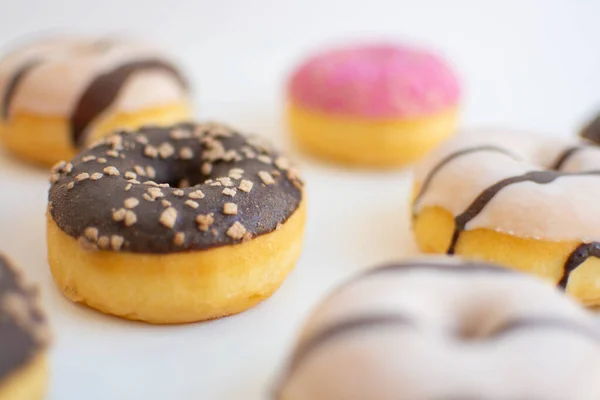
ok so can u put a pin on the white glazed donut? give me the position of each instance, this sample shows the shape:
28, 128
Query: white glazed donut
59, 94
438, 328
50, 77
521, 200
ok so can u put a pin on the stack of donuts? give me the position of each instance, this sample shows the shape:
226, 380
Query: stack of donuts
155, 217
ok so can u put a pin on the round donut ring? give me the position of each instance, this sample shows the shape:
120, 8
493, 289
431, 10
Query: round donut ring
172, 225
58, 95
521, 200
437, 328
377, 105
24, 338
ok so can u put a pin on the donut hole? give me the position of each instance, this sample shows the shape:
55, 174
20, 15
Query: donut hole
182, 174
468, 331
470, 328
476, 321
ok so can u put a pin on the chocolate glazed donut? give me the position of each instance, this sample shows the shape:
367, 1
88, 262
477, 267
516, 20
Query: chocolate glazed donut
23, 335
214, 188
215, 215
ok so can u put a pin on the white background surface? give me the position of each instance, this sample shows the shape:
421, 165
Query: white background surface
526, 64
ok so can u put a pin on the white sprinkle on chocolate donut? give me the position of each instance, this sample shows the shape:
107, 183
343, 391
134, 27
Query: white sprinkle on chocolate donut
168, 217
236, 231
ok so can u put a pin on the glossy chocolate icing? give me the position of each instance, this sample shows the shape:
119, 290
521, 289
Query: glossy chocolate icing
578, 257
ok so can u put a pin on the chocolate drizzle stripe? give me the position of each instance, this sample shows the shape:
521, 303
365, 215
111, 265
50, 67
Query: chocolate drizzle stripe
442, 267
591, 132
20, 328
540, 177
463, 267
488, 194
103, 91
103, 44
451, 157
549, 323
564, 156
578, 257
13, 85
344, 328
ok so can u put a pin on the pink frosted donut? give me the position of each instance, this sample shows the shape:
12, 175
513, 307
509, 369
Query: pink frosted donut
374, 105
375, 81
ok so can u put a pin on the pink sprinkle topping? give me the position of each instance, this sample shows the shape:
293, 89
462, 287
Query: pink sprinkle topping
375, 81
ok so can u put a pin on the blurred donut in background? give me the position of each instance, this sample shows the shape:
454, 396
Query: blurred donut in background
591, 131
23, 338
57, 95
374, 105
442, 328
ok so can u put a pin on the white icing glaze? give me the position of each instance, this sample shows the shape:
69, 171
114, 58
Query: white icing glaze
564, 209
70, 65
137, 94
432, 358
